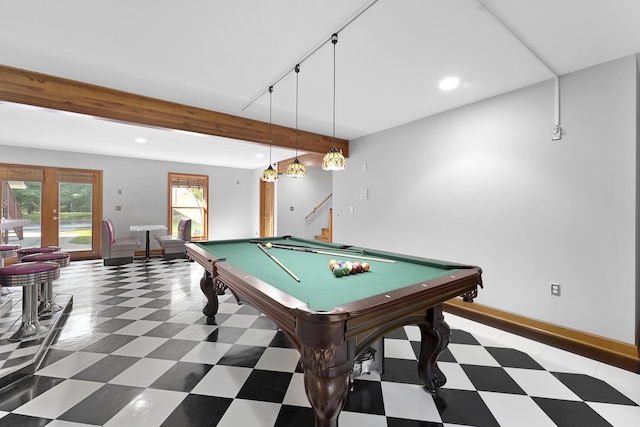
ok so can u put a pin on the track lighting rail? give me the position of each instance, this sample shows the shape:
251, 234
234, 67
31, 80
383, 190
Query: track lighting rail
307, 56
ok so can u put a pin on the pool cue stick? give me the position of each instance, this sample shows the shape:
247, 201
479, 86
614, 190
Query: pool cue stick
315, 251
278, 262
346, 248
354, 256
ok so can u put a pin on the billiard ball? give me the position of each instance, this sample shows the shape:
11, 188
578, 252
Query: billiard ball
337, 272
332, 262
268, 245
365, 266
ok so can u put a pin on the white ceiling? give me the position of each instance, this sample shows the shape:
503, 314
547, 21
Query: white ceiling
220, 55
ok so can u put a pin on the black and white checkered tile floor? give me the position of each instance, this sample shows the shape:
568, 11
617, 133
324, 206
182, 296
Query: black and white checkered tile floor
136, 350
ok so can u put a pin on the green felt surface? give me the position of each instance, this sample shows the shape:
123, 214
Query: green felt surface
318, 287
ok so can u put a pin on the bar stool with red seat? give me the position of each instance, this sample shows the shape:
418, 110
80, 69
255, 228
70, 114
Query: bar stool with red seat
47, 304
7, 251
29, 275
40, 250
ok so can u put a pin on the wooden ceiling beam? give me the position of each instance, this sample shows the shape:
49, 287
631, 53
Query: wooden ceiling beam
310, 160
56, 93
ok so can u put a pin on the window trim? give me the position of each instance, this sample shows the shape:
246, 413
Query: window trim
201, 181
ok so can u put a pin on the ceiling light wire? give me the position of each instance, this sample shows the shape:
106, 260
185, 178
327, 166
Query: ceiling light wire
334, 160
334, 40
270, 174
296, 169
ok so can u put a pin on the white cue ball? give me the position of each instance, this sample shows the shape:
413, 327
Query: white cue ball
268, 245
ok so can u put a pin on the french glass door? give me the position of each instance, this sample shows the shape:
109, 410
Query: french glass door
52, 207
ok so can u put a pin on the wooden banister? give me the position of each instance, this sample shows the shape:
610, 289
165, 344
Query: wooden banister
318, 207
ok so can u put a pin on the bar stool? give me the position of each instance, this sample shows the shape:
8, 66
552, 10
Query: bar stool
63, 259
7, 251
29, 275
40, 250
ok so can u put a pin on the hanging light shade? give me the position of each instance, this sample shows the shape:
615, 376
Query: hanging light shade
296, 169
270, 174
334, 160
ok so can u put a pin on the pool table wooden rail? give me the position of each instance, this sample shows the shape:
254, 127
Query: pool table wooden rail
364, 322
367, 323
272, 301
360, 315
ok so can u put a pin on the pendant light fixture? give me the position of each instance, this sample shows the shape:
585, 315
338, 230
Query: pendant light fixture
334, 160
270, 174
296, 169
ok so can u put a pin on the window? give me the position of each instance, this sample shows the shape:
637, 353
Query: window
188, 200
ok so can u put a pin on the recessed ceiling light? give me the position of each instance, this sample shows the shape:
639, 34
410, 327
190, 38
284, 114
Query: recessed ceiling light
259, 156
141, 140
449, 83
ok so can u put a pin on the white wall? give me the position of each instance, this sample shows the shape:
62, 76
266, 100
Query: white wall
303, 195
484, 184
637, 199
144, 198
255, 202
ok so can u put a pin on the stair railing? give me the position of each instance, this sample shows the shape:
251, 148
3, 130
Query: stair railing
319, 206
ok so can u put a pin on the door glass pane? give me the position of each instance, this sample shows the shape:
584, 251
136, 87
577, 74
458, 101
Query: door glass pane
75, 216
21, 210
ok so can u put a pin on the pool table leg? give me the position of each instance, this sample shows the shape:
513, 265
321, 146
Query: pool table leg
324, 354
436, 335
207, 288
327, 396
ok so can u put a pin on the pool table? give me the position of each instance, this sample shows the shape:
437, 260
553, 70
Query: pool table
329, 319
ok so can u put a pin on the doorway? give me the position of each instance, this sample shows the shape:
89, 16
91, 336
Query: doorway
45, 206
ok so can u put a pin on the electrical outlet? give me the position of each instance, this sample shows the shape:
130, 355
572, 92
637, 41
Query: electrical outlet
118, 208
555, 289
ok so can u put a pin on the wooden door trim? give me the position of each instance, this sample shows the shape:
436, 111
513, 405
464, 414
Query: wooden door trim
263, 207
50, 186
48, 226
